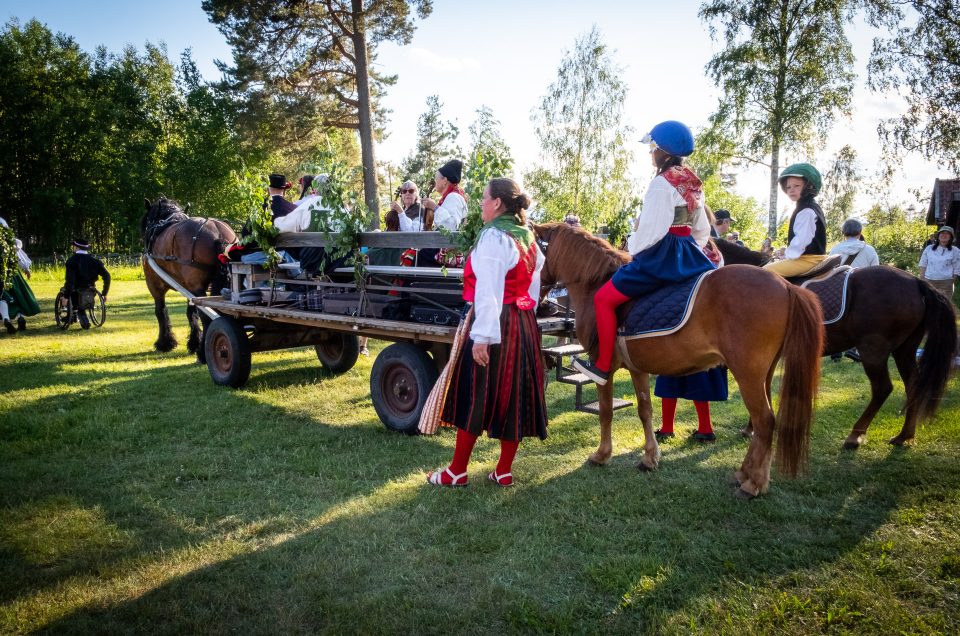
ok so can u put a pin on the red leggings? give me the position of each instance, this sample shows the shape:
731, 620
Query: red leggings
669, 410
605, 303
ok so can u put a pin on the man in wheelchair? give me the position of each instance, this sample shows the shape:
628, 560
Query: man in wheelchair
83, 270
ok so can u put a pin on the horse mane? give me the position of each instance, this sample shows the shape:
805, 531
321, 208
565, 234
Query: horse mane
158, 216
596, 260
734, 254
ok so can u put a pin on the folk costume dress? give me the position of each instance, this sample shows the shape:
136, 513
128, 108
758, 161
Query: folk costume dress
502, 279
806, 240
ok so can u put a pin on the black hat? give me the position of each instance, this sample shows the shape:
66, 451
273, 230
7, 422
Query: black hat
721, 215
82, 244
279, 181
452, 170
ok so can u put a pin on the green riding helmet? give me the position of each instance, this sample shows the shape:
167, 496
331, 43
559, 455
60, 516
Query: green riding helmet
805, 171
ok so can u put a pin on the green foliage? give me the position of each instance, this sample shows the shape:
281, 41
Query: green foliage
896, 236
840, 184
436, 144
582, 136
785, 73
618, 227
489, 157
251, 191
919, 61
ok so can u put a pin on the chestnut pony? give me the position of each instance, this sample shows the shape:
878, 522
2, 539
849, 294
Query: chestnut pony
187, 249
722, 329
888, 313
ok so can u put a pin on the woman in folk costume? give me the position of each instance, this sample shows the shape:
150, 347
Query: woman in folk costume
666, 244
807, 235
497, 383
16, 297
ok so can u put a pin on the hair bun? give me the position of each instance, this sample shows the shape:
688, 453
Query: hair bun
523, 201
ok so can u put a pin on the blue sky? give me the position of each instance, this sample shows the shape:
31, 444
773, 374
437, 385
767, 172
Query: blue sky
504, 54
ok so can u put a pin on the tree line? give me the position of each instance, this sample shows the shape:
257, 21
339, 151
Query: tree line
87, 136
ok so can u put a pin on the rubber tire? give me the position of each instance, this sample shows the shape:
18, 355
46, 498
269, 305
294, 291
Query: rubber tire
400, 381
204, 326
228, 352
97, 315
60, 315
339, 353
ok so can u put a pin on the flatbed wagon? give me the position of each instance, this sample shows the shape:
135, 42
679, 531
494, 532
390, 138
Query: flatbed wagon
403, 373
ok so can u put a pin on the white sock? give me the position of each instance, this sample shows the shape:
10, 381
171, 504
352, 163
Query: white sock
4, 310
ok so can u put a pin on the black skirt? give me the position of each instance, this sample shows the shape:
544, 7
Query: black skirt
505, 398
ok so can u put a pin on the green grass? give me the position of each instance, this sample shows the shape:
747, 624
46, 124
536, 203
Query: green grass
139, 497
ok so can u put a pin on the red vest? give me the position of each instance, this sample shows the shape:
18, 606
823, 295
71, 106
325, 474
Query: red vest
516, 287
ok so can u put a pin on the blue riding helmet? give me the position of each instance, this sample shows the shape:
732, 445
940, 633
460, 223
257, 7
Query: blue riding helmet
673, 137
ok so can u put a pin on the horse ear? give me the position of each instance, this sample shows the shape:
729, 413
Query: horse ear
146, 204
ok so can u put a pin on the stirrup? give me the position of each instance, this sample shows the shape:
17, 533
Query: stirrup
435, 478
504, 480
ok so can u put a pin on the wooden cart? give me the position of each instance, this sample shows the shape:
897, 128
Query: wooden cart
403, 373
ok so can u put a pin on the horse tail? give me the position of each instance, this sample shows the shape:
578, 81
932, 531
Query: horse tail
801, 351
940, 324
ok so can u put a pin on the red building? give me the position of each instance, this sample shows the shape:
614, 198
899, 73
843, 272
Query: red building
944, 203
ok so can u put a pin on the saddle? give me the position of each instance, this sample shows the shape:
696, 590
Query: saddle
823, 268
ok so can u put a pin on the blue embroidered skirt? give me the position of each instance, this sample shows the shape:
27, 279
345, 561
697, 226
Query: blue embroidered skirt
706, 386
672, 259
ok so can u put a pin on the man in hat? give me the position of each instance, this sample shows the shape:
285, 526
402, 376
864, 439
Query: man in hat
83, 270
279, 206
721, 223
451, 209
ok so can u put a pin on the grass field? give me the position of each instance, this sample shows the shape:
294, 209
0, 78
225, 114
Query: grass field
139, 497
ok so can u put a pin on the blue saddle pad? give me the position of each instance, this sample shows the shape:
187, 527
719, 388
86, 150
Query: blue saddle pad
661, 312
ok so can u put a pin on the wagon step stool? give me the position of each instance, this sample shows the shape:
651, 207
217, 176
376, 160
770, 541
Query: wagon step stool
566, 375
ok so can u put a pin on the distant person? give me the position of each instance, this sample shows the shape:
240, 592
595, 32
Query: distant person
734, 237
411, 214
16, 297
450, 211
940, 263
82, 272
807, 234
854, 249
279, 206
721, 223
572, 220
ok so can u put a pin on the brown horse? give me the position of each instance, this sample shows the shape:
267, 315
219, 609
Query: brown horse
187, 249
722, 329
888, 313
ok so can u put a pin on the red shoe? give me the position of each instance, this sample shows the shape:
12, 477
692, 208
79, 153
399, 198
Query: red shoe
504, 480
446, 477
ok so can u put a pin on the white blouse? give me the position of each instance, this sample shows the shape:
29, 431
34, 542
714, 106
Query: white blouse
941, 264
804, 229
452, 213
657, 216
299, 219
494, 255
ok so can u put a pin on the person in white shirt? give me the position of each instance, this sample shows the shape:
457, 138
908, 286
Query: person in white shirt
450, 211
940, 263
807, 234
853, 249
409, 211
496, 381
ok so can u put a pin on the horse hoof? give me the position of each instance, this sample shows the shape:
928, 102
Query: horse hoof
851, 444
643, 468
593, 461
900, 441
743, 495
746, 432
165, 346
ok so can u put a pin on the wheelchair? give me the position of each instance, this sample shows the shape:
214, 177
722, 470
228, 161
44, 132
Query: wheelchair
91, 304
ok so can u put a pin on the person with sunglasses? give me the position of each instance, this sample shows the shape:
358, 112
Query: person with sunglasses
666, 244
408, 208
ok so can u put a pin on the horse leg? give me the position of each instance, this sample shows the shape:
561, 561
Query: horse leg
605, 401
906, 358
754, 474
875, 366
651, 449
166, 341
747, 430
193, 341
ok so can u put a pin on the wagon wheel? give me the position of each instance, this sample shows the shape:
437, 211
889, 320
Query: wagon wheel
400, 381
62, 312
228, 352
338, 352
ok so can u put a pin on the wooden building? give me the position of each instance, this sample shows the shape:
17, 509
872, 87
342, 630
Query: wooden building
944, 203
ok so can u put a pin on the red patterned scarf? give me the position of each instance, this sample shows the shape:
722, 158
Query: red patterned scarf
453, 187
687, 184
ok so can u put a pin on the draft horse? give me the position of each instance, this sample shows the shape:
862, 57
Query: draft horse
187, 249
722, 329
888, 312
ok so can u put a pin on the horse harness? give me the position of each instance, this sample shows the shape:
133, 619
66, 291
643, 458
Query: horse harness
173, 220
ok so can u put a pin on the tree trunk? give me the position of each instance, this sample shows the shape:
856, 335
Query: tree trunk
367, 152
774, 189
